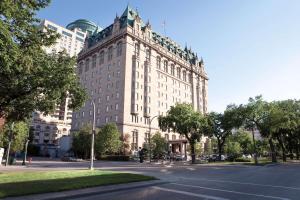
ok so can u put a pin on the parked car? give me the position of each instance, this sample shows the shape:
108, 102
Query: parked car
179, 157
215, 157
70, 159
248, 156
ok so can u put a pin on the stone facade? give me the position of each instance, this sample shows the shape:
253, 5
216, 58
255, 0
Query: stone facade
134, 75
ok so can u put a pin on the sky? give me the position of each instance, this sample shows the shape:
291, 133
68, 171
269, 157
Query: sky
249, 47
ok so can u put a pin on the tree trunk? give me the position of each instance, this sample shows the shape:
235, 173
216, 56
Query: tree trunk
192, 143
279, 138
219, 148
273, 152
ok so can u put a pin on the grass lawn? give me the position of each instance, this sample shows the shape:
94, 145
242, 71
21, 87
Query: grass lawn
24, 183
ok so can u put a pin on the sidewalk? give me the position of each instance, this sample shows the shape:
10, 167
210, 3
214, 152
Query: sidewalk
88, 191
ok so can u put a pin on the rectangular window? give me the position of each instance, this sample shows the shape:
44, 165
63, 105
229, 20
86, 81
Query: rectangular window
66, 33
52, 27
80, 34
80, 39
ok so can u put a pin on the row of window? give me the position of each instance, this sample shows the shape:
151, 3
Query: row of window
93, 60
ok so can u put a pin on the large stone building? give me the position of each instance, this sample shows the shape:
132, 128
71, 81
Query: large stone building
49, 128
134, 74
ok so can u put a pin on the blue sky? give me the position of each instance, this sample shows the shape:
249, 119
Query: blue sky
249, 47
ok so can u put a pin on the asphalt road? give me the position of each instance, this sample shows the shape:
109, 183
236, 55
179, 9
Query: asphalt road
215, 182
280, 181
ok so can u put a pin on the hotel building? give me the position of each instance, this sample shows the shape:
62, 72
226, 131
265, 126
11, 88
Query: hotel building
133, 74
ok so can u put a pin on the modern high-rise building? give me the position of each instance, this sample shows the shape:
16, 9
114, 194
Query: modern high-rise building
49, 128
133, 74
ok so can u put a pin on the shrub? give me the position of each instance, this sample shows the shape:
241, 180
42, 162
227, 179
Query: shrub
115, 158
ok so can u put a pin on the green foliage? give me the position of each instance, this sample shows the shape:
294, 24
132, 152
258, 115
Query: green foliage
244, 138
221, 125
159, 145
182, 119
19, 135
81, 144
198, 149
108, 140
233, 149
31, 79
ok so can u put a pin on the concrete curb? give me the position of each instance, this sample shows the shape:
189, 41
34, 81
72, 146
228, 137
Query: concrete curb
71, 194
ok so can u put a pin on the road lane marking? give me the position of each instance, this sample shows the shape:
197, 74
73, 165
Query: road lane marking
231, 191
189, 193
241, 183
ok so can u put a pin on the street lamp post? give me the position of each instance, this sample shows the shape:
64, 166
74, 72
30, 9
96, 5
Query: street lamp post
9, 143
150, 136
93, 138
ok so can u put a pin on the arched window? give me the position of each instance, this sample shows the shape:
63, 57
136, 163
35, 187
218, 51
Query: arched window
134, 145
166, 66
178, 72
94, 61
148, 55
101, 57
119, 49
137, 49
110, 53
172, 70
87, 64
158, 62
184, 75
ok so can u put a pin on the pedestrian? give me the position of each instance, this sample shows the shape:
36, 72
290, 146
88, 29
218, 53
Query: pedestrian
141, 155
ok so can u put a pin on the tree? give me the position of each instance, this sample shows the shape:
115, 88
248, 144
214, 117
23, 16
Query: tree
19, 135
108, 140
182, 119
286, 115
159, 144
125, 144
245, 141
232, 148
30, 79
81, 144
221, 125
257, 114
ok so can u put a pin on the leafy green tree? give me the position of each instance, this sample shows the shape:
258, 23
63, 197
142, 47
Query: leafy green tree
221, 125
159, 145
286, 115
19, 135
81, 144
30, 79
258, 114
108, 140
182, 119
245, 141
232, 148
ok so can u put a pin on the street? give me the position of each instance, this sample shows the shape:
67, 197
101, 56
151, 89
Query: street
179, 181
222, 182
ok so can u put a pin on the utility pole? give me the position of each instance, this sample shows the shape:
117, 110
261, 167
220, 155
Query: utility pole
9, 142
93, 138
150, 137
